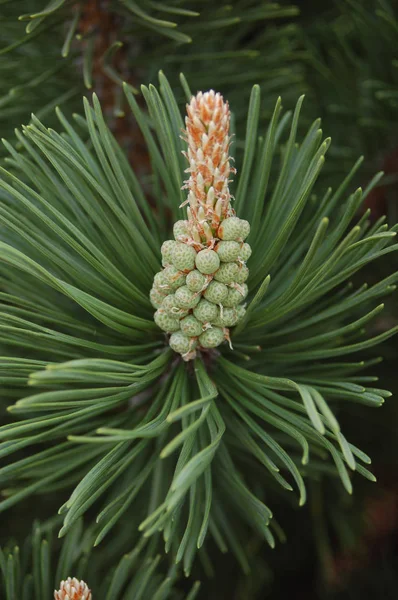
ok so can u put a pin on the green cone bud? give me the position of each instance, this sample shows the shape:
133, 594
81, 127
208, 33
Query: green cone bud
242, 275
180, 342
159, 280
217, 321
205, 311
165, 322
191, 326
185, 298
234, 228
235, 296
207, 261
228, 251
244, 229
183, 257
227, 273
167, 252
157, 296
211, 338
245, 252
173, 277
228, 317
180, 228
216, 292
241, 312
170, 306
196, 281
229, 229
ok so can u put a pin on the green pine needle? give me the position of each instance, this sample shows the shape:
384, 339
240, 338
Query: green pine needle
109, 413
38, 568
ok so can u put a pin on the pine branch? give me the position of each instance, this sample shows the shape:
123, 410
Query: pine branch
350, 54
104, 44
79, 251
40, 566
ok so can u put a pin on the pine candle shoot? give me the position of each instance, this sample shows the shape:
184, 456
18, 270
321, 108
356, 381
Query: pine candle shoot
200, 292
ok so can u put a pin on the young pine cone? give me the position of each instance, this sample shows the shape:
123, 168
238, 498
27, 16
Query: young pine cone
199, 294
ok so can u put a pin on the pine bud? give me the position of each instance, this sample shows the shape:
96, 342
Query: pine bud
242, 275
227, 273
183, 256
191, 326
207, 261
241, 312
173, 277
157, 296
159, 280
165, 322
206, 311
199, 292
228, 251
167, 252
228, 317
180, 342
235, 296
212, 337
185, 298
73, 589
196, 281
171, 307
244, 228
216, 292
207, 135
234, 228
245, 252
181, 228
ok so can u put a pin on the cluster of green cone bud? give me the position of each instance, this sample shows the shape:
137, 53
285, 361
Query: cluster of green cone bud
200, 292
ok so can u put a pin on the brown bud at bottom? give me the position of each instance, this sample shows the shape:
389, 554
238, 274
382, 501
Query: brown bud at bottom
73, 589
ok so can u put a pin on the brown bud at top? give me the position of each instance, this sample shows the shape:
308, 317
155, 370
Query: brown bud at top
207, 135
